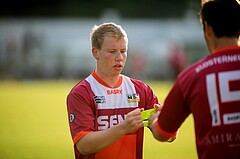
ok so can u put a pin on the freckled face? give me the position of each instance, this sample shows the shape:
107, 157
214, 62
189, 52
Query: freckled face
112, 57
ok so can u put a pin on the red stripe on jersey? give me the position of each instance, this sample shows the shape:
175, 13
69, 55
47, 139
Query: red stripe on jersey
165, 133
80, 135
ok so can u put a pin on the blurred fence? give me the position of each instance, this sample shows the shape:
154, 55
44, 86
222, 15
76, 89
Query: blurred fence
60, 48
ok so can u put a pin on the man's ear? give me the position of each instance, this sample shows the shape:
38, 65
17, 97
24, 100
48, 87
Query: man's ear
95, 53
208, 29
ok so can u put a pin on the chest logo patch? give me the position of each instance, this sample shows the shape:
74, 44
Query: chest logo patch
135, 97
72, 117
99, 99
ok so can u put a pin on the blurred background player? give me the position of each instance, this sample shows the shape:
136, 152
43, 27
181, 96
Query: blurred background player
104, 109
209, 89
177, 59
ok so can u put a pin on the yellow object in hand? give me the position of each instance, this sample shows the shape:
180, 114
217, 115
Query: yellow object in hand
146, 114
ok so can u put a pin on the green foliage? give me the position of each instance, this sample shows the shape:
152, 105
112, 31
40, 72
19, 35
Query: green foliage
33, 121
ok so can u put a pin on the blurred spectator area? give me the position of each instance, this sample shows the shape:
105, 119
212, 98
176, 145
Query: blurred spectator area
49, 48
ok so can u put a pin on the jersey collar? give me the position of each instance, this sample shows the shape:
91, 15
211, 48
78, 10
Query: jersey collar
225, 49
104, 83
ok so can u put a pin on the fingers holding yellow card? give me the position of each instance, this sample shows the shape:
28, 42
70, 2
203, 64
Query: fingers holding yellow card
146, 114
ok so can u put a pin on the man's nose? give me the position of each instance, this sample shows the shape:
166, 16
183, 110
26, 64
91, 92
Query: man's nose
119, 56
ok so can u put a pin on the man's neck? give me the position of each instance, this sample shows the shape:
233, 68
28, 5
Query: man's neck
111, 81
224, 42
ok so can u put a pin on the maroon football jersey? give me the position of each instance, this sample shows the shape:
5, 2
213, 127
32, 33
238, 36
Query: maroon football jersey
210, 91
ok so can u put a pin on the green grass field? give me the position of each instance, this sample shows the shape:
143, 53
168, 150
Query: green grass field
34, 125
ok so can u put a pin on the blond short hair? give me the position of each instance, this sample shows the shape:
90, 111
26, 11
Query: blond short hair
99, 32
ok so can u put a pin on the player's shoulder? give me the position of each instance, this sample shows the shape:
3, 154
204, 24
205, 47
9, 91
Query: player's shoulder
79, 86
197, 68
189, 74
189, 70
137, 82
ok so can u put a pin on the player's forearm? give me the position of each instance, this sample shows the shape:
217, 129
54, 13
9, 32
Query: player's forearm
153, 129
98, 140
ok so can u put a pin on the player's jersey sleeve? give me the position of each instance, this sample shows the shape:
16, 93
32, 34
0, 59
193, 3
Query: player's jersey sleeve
148, 98
80, 111
176, 111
